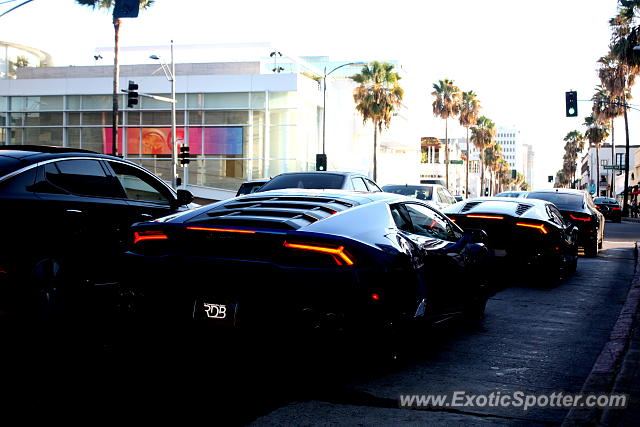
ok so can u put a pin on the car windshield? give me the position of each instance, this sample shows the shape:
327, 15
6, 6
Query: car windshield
561, 200
305, 180
605, 200
423, 192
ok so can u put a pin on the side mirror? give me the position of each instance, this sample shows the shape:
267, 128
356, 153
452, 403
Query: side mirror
476, 235
184, 197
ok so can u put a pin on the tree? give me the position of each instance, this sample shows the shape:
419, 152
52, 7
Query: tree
377, 97
493, 157
596, 133
574, 144
482, 136
607, 107
447, 104
108, 4
469, 109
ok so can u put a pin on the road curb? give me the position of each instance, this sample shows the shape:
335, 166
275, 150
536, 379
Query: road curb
607, 367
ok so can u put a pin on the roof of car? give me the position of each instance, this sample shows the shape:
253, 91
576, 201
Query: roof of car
28, 154
321, 173
558, 190
359, 197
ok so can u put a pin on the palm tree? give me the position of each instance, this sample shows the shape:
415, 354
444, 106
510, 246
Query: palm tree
492, 156
446, 105
469, 109
482, 135
574, 145
605, 109
596, 133
108, 4
377, 97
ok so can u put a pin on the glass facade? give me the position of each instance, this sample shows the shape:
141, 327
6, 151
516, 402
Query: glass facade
232, 137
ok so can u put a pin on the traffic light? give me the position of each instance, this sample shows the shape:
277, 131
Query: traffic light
514, 174
571, 98
184, 155
321, 162
132, 94
486, 191
550, 178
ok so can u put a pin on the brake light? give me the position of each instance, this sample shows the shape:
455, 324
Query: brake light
226, 230
140, 236
615, 209
337, 253
375, 297
581, 218
485, 216
537, 226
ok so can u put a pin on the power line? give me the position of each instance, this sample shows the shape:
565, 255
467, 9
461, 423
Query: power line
15, 7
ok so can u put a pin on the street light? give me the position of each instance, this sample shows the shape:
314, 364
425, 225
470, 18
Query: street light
324, 100
170, 73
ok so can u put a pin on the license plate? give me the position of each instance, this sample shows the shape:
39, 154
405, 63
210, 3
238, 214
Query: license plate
215, 312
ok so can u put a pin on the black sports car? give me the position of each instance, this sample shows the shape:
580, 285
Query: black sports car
522, 232
609, 207
305, 259
577, 208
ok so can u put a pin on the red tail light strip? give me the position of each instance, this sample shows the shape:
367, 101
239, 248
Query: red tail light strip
226, 230
485, 216
615, 209
338, 253
140, 236
538, 226
581, 218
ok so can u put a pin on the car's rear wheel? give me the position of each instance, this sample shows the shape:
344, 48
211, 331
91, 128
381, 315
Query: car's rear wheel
591, 249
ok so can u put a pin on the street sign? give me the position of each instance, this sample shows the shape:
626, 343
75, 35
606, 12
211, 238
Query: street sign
615, 167
456, 162
126, 9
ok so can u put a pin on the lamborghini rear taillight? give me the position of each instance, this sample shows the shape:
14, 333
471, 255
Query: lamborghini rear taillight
140, 236
539, 227
340, 256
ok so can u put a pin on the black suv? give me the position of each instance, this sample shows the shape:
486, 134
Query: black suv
66, 218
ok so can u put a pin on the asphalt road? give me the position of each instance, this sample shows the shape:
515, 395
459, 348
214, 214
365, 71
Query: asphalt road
534, 338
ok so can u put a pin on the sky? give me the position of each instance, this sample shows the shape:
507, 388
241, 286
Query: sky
519, 57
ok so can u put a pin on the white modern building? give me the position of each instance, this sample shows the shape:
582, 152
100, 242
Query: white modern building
589, 171
241, 119
13, 56
433, 167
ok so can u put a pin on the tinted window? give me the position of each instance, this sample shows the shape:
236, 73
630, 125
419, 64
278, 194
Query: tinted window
305, 180
427, 222
561, 200
358, 184
19, 184
83, 177
422, 192
605, 200
140, 186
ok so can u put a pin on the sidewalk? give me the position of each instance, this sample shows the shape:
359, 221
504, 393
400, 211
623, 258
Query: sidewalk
617, 369
629, 219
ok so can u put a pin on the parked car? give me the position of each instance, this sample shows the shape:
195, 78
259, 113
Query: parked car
251, 186
308, 259
523, 233
67, 214
577, 208
435, 194
515, 194
609, 207
322, 180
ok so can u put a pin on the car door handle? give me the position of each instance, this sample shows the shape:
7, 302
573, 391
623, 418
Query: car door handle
74, 211
144, 215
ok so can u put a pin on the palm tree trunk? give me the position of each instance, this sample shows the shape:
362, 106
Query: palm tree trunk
625, 206
375, 150
446, 153
597, 170
481, 173
466, 179
116, 84
613, 162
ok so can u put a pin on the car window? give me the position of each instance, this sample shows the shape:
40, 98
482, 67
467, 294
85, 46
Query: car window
422, 192
427, 222
81, 176
401, 218
22, 183
139, 185
372, 185
567, 201
305, 180
358, 184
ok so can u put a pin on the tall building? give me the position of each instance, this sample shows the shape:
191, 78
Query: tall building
510, 140
528, 161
